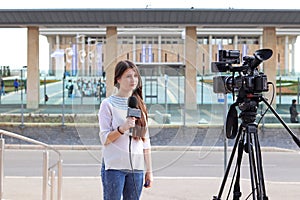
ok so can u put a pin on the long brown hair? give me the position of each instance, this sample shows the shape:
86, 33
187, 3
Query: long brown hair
140, 124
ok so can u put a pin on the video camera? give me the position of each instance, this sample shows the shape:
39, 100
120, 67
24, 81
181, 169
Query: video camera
249, 78
249, 83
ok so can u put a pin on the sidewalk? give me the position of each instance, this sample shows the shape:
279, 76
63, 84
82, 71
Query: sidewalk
164, 188
89, 188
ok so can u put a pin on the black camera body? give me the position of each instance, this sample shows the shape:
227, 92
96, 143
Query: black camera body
249, 78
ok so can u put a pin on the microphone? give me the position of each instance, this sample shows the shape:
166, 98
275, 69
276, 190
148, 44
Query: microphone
133, 111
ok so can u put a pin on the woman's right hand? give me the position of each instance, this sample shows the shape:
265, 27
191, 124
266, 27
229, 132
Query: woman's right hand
129, 123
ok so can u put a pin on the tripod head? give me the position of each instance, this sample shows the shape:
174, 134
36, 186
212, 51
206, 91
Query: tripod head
248, 104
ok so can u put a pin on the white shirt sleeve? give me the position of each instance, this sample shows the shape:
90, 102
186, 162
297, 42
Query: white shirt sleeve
105, 120
146, 143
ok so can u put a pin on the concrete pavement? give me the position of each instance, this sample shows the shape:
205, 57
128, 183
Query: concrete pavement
164, 188
178, 188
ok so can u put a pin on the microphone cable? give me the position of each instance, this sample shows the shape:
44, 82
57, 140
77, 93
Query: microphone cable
132, 169
272, 99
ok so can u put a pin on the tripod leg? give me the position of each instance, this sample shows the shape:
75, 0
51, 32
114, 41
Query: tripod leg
252, 168
228, 166
296, 140
237, 189
256, 169
262, 191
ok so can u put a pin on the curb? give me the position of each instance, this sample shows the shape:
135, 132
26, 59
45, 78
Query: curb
153, 148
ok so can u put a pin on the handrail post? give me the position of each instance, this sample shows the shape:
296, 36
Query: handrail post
45, 169
59, 179
45, 173
2, 145
52, 174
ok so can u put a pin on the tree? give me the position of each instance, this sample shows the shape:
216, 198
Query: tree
8, 71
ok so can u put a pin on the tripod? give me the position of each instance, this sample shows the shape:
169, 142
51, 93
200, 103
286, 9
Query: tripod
247, 140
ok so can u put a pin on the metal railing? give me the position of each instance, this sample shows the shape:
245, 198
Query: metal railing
48, 171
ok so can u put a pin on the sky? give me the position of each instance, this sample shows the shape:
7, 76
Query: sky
250, 4
15, 40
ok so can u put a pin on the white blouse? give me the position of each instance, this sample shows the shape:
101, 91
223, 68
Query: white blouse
112, 113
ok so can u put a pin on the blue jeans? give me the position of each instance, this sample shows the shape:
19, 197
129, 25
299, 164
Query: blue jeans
2, 91
121, 183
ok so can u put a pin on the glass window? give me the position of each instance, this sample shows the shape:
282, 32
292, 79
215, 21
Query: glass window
248, 40
125, 40
203, 40
222, 40
147, 40
171, 40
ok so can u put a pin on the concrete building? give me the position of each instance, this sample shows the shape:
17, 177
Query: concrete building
91, 41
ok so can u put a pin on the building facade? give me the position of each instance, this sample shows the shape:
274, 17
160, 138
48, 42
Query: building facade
161, 45
191, 36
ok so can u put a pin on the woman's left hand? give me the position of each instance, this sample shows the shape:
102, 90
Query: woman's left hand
148, 180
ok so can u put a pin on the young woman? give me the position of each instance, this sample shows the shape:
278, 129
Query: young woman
126, 160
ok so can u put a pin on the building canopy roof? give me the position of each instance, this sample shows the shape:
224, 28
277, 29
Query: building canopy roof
92, 18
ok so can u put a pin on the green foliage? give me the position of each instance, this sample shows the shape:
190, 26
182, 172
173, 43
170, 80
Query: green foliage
287, 87
9, 84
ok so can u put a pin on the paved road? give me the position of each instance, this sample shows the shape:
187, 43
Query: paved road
179, 175
278, 166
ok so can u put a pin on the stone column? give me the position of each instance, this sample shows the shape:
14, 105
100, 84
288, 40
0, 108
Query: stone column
292, 42
110, 59
210, 52
33, 76
286, 56
269, 42
134, 48
191, 68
